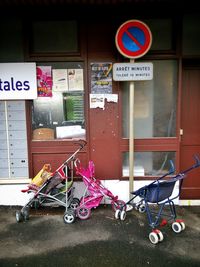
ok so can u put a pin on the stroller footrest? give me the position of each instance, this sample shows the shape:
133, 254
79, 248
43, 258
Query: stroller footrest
163, 223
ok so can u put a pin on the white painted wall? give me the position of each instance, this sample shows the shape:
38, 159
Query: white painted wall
11, 195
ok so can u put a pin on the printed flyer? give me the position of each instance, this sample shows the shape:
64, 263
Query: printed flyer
44, 81
60, 81
101, 78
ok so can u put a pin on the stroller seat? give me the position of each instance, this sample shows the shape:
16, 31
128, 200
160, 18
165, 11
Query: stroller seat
160, 191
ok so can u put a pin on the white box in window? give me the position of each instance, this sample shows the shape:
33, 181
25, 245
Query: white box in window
70, 131
138, 171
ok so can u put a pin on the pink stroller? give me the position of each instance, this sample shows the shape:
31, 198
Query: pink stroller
93, 195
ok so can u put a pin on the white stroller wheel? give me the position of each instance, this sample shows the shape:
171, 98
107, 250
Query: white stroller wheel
117, 214
69, 216
118, 204
153, 237
182, 225
160, 236
176, 227
129, 207
122, 215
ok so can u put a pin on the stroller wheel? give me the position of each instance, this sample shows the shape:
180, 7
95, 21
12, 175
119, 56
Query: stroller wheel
36, 204
142, 208
74, 203
25, 214
176, 227
83, 213
153, 237
129, 207
182, 225
137, 206
118, 204
117, 214
160, 235
69, 216
122, 215
19, 216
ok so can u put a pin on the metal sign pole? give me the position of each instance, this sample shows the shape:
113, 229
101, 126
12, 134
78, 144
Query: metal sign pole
131, 135
133, 40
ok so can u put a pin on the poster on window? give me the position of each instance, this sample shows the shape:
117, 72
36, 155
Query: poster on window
44, 81
101, 78
60, 80
75, 79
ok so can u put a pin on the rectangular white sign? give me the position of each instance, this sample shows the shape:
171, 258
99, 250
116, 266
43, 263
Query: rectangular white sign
132, 71
18, 81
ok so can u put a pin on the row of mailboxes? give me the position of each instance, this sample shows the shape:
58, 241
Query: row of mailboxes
13, 139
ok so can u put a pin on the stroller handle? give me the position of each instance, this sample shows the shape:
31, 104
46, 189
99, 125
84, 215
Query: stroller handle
81, 143
172, 169
76, 162
197, 161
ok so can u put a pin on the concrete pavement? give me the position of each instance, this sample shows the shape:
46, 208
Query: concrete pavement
44, 240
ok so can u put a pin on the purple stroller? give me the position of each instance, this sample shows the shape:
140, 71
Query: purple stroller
159, 193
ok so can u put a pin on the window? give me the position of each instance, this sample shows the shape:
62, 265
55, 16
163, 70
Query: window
11, 41
60, 113
54, 37
155, 103
161, 30
149, 163
191, 35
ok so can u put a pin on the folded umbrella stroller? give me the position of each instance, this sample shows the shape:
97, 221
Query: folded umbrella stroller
52, 189
159, 193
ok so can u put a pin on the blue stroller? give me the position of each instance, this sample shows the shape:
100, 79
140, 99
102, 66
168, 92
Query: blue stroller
158, 192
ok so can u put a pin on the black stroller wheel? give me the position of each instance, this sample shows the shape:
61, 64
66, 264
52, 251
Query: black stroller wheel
69, 216
74, 203
19, 216
141, 208
26, 214
36, 204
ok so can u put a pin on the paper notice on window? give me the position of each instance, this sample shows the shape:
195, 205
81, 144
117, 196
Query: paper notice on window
75, 79
111, 97
97, 101
60, 82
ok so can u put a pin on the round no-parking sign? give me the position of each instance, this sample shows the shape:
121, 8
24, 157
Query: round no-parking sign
133, 39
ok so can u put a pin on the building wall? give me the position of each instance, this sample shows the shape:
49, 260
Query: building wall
106, 144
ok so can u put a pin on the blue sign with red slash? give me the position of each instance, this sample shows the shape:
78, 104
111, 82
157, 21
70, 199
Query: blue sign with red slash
133, 39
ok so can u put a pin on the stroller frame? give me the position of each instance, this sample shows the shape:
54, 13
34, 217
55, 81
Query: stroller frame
159, 192
92, 196
55, 191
